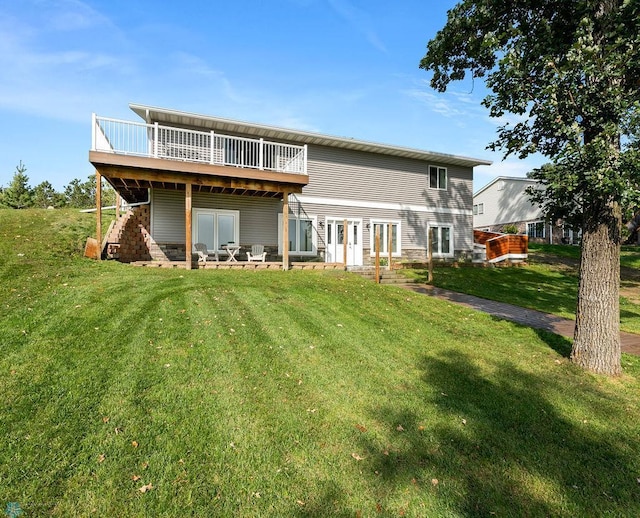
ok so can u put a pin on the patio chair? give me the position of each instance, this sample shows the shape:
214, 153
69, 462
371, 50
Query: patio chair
257, 253
203, 253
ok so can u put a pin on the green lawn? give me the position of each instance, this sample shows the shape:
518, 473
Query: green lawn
542, 284
301, 393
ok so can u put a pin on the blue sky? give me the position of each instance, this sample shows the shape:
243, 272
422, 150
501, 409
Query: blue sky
340, 67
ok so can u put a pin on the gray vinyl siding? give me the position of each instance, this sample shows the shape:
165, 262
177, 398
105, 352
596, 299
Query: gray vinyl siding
258, 216
413, 225
505, 201
341, 173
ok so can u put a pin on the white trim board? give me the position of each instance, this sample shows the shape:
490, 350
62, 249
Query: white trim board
341, 202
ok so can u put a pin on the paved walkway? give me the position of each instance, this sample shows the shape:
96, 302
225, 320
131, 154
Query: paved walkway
630, 343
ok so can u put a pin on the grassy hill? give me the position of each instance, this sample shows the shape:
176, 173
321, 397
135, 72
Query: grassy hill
150, 392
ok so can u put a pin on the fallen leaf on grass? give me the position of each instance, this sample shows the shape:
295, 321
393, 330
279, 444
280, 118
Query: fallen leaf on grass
400, 428
464, 421
357, 457
135, 478
101, 457
434, 482
145, 488
105, 419
300, 502
362, 428
134, 444
117, 430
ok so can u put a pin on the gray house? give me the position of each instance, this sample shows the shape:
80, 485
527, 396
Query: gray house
191, 178
504, 202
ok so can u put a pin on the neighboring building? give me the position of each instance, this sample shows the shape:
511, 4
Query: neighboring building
504, 203
206, 179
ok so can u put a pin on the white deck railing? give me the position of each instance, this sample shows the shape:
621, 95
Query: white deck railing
155, 141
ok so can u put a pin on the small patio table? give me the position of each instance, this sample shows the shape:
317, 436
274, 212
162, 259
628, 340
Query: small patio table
232, 251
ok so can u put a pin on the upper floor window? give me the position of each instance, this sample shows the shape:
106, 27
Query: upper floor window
437, 177
478, 209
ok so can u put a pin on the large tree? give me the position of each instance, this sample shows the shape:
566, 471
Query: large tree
570, 69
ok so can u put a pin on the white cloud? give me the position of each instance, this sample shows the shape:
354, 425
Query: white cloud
360, 20
72, 15
55, 79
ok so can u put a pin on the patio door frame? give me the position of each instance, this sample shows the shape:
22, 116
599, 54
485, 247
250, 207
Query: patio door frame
335, 247
215, 213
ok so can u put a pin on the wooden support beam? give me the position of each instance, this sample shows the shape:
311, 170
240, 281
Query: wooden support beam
118, 205
187, 217
345, 241
389, 244
171, 170
99, 212
377, 254
285, 230
430, 255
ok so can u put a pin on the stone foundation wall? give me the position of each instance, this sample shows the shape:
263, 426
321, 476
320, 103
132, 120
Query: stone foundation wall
135, 240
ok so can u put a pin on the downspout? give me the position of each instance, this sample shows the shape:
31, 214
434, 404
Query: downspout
137, 204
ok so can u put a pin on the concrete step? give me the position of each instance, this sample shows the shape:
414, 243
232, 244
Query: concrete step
386, 276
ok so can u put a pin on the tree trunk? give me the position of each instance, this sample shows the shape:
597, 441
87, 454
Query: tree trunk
596, 345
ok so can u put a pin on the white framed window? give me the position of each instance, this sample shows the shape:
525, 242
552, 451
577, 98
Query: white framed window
216, 227
383, 225
437, 177
536, 229
441, 240
303, 237
478, 208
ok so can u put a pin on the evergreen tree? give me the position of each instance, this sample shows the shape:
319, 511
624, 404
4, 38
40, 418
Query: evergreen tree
18, 195
44, 196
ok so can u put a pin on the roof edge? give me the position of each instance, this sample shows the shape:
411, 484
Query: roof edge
145, 111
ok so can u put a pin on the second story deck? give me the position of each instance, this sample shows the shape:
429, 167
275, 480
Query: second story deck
186, 145
137, 156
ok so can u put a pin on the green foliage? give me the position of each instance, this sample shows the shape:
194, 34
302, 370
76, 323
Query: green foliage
44, 196
271, 394
18, 195
510, 229
568, 69
83, 194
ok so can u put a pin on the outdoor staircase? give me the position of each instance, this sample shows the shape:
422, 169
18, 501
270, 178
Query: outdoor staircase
394, 277
111, 242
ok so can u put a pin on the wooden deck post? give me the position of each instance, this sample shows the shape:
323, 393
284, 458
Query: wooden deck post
377, 254
187, 217
389, 244
430, 254
285, 230
345, 240
118, 205
99, 213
